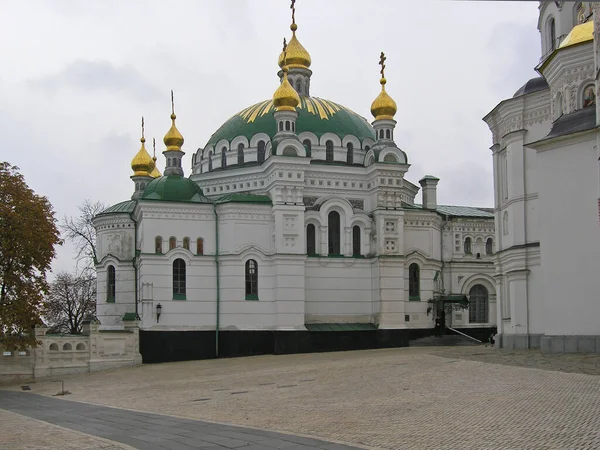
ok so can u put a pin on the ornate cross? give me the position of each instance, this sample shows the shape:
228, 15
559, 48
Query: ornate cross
382, 59
142, 127
284, 52
173, 103
293, 8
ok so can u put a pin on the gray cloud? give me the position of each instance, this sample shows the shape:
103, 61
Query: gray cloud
100, 76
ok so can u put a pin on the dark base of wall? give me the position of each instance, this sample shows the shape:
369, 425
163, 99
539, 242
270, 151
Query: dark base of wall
166, 346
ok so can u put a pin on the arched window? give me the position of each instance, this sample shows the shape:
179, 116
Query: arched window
311, 240
350, 153
478, 304
414, 282
186, 243
210, 161
333, 223
287, 125
158, 245
260, 152
224, 157
329, 151
552, 34
468, 246
280, 126
111, 284
172, 243
388, 134
308, 147
559, 105
179, 279
356, 240
381, 134
489, 246
240, 153
199, 246
251, 280
168, 162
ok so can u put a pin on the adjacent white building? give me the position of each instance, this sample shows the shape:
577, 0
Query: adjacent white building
545, 152
297, 218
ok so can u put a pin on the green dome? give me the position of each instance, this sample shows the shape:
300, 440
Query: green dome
174, 188
316, 115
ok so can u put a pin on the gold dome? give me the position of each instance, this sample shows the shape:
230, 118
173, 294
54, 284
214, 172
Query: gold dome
142, 162
155, 173
580, 33
173, 139
297, 56
384, 106
285, 97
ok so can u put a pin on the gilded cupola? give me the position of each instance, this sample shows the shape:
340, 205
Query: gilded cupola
297, 56
155, 172
285, 97
173, 139
142, 163
384, 106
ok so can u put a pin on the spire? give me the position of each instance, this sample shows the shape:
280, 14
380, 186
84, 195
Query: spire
141, 164
285, 97
297, 56
155, 172
173, 139
384, 106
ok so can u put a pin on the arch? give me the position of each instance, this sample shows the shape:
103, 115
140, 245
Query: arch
367, 142
222, 145
478, 304
337, 142
399, 155
251, 279
53, 347
186, 243
67, 347
260, 151
224, 157
414, 282
489, 246
236, 141
179, 279
285, 147
587, 95
551, 33
356, 232
310, 136
329, 156
350, 138
111, 283
334, 232
289, 151
256, 138
350, 153
80, 346
240, 153
311, 239
390, 158
199, 246
326, 204
158, 244
308, 147
172, 242
468, 246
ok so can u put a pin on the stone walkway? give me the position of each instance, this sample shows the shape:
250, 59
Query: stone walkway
150, 431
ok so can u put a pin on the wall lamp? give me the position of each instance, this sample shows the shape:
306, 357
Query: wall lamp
158, 311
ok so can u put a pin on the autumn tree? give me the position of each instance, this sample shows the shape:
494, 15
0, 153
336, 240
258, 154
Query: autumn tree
81, 232
70, 300
28, 236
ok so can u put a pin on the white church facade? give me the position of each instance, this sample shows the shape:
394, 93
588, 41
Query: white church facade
546, 179
295, 231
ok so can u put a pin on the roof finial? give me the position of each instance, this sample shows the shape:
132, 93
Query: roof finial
293, 26
155, 172
172, 106
154, 148
382, 59
143, 139
285, 69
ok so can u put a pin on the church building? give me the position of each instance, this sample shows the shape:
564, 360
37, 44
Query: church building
546, 183
296, 230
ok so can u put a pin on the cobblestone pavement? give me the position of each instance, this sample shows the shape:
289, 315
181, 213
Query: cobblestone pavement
410, 398
19, 432
152, 431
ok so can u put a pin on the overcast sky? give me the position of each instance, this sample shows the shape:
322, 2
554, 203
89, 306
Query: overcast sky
76, 76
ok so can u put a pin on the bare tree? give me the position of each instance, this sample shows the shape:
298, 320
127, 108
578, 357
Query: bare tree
81, 232
71, 298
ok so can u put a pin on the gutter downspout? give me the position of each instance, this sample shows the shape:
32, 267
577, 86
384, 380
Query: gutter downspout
218, 313
135, 269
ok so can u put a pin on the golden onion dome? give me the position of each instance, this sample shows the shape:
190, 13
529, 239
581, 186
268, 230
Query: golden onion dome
297, 56
173, 139
142, 162
384, 106
285, 97
581, 33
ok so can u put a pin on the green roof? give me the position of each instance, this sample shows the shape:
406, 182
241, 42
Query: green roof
316, 115
174, 188
244, 198
340, 326
457, 211
126, 207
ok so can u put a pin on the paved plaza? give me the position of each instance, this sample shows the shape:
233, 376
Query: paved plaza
410, 398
